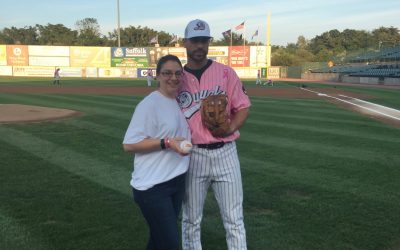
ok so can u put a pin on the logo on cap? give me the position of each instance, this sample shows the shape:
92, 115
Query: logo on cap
200, 26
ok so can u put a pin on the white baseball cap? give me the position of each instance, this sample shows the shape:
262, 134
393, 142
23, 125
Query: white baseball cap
197, 28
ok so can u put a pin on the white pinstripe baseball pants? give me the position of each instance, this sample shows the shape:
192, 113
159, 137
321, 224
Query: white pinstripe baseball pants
219, 168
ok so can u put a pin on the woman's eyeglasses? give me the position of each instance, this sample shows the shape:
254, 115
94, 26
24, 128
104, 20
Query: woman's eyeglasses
169, 74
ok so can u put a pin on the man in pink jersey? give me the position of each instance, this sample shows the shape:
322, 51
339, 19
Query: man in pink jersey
214, 160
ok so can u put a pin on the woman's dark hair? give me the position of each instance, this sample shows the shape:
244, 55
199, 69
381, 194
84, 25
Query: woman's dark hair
165, 59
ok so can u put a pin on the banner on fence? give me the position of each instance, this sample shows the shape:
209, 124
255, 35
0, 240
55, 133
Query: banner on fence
38, 50
258, 56
48, 61
143, 72
3, 55
6, 71
273, 72
17, 55
219, 54
117, 72
33, 71
90, 56
239, 56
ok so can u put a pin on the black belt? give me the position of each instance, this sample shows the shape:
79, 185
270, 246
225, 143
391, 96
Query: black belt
212, 146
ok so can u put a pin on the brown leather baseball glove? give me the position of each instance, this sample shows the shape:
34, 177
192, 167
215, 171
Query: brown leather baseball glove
214, 115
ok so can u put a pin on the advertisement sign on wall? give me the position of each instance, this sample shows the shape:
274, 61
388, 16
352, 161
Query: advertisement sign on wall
6, 71
38, 50
17, 55
273, 72
48, 61
33, 71
246, 72
154, 54
117, 72
89, 72
143, 72
258, 56
219, 54
135, 52
71, 72
129, 57
130, 62
90, 56
3, 55
48, 55
179, 52
239, 56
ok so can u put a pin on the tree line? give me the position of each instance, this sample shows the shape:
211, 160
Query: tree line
332, 45
335, 46
87, 33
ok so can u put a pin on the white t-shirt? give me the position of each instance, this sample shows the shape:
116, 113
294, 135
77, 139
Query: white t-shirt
157, 116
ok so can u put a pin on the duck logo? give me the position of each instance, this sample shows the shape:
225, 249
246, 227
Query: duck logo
200, 26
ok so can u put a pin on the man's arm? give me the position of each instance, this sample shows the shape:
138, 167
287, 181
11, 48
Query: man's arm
238, 120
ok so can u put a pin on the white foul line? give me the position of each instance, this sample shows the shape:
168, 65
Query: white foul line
372, 110
371, 103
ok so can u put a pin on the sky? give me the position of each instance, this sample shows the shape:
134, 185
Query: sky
289, 18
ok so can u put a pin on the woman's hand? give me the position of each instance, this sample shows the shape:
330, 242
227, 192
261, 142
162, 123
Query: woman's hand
175, 144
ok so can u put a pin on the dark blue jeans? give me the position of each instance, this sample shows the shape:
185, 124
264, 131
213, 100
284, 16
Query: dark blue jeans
160, 206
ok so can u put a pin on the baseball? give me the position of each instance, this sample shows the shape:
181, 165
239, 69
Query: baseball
186, 146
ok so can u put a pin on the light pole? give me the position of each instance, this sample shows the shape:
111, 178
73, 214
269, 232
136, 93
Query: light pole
118, 28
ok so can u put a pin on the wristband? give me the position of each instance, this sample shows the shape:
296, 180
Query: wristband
167, 143
162, 144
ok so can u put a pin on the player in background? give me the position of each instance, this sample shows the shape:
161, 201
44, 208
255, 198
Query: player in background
149, 77
56, 76
269, 82
154, 134
214, 161
258, 81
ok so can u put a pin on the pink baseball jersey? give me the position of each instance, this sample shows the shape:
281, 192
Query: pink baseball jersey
217, 79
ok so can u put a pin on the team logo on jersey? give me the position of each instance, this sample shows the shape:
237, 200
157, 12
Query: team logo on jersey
200, 26
186, 99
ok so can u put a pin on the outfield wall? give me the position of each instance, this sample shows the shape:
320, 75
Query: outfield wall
337, 77
123, 62
334, 77
372, 80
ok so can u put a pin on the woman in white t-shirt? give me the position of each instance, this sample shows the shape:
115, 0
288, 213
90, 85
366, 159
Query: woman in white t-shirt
154, 134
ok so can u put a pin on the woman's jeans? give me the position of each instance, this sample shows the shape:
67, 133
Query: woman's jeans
160, 206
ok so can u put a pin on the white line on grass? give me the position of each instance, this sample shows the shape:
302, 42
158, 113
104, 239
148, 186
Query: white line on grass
372, 110
371, 103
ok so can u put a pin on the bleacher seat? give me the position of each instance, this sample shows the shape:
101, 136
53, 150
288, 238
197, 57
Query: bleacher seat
382, 63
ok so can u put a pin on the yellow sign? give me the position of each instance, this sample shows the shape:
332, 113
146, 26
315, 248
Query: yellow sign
3, 55
90, 57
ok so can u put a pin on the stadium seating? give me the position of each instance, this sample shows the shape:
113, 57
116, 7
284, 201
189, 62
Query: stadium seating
382, 63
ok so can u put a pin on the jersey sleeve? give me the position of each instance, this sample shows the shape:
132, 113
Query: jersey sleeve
237, 93
141, 124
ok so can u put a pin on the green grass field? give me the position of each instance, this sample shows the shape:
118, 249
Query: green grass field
315, 176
